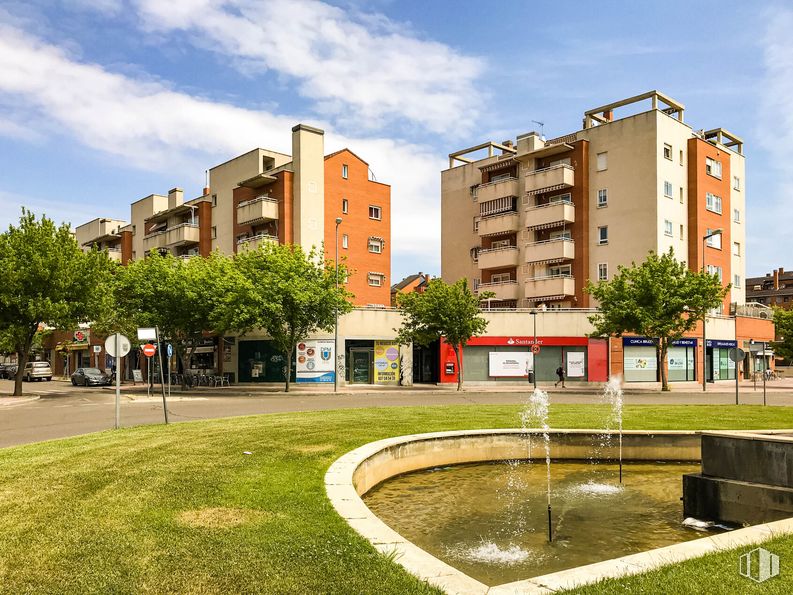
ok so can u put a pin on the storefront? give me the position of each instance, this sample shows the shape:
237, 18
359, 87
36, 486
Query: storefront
719, 366
640, 360
517, 359
372, 362
681, 360
261, 361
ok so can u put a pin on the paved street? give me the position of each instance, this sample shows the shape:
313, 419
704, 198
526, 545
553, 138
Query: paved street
64, 410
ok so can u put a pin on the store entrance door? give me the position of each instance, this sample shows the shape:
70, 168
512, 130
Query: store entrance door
361, 366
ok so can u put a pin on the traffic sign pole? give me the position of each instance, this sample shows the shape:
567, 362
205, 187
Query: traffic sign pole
118, 383
162, 377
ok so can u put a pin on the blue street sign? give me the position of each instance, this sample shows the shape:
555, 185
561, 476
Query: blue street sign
170, 350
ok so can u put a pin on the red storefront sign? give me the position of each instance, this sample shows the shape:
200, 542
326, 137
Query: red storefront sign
528, 341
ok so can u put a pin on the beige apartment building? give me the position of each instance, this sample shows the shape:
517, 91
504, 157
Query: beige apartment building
263, 196
533, 220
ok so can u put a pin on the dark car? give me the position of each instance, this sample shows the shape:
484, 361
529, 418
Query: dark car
90, 377
8, 370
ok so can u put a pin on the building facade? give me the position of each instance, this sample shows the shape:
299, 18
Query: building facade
264, 196
411, 284
774, 289
533, 220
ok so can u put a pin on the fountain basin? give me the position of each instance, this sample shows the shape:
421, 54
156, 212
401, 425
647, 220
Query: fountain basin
358, 471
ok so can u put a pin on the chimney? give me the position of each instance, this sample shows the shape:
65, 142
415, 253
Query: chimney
776, 279
175, 197
531, 141
506, 143
608, 115
308, 164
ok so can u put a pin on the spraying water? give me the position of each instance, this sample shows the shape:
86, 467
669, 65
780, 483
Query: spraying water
536, 415
613, 394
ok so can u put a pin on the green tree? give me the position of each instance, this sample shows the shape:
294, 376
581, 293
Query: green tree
288, 293
783, 326
180, 297
442, 310
45, 280
661, 299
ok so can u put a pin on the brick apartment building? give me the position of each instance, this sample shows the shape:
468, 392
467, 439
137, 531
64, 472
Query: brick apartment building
412, 283
533, 220
774, 289
266, 196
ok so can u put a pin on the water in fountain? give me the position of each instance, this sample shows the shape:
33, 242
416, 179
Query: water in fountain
535, 415
613, 395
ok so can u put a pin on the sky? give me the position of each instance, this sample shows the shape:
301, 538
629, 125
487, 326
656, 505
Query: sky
103, 102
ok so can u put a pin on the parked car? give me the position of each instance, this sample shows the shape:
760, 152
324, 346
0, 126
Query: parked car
37, 371
8, 370
90, 377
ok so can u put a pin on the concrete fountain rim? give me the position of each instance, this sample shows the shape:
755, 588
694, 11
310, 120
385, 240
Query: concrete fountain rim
340, 487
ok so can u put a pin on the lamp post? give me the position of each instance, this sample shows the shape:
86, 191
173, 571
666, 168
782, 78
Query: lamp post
534, 363
715, 232
336, 325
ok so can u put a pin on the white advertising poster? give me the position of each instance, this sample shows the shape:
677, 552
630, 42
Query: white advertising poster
505, 364
676, 361
314, 361
575, 364
641, 363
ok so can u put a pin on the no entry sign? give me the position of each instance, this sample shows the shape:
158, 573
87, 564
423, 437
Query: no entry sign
149, 350
535, 348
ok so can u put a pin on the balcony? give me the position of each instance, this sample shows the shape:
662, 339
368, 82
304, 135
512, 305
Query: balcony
154, 241
556, 177
114, 254
555, 287
499, 224
498, 258
184, 233
253, 242
261, 208
555, 250
499, 189
550, 215
504, 290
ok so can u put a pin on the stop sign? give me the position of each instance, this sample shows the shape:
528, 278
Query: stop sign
149, 350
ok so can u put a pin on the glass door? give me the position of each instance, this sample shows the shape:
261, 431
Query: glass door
361, 366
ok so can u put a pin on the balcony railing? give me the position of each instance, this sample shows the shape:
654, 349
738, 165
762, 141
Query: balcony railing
550, 215
498, 258
184, 233
497, 189
154, 241
503, 290
550, 287
555, 177
555, 250
253, 242
501, 223
261, 208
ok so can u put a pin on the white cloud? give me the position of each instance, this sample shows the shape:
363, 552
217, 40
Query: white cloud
348, 63
768, 231
154, 127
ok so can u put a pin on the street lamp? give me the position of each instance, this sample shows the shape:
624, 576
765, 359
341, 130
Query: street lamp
715, 232
336, 325
534, 355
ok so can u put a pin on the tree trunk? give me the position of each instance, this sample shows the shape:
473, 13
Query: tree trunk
22, 359
661, 364
288, 371
459, 368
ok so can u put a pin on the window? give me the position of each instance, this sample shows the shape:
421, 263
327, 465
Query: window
668, 189
681, 156
736, 215
476, 224
713, 167
501, 244
561, 235
345, 206
713, 241
214, 232
736, 281
499, 177
562, 270
682, 231
375, 245
344, 171
476, 282
668, 152
681, 195
736, 183
374, 212
602, 161
714, 270
603, 197
500, 278
566, 197
214, 200
603, 271
345, 241
375, 279
713, 203
603, 235
736, 249
667, 228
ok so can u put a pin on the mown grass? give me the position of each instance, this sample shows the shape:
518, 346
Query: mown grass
179, 509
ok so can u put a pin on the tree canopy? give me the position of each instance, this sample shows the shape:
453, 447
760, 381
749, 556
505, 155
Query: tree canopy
46, 279
448, 311
783, 325
661, 299
288, 293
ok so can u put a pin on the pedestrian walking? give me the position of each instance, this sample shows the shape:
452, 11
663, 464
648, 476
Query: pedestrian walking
560, 374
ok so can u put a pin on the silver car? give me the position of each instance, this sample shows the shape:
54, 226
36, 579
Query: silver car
37, 371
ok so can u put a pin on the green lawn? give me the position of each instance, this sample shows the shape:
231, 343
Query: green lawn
182, 509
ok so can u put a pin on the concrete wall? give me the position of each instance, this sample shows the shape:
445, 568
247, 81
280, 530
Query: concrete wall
308, 154
140, 211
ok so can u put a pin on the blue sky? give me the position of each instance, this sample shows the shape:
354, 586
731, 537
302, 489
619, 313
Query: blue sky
103, 102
